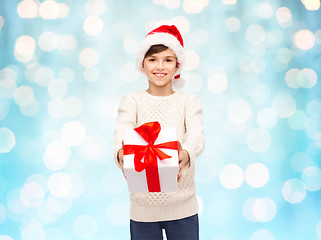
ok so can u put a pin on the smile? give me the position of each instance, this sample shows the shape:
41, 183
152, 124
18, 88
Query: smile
160, 75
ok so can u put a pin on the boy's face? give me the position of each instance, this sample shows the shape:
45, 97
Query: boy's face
160, 68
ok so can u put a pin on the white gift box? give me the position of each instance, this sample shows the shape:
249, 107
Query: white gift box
167, 168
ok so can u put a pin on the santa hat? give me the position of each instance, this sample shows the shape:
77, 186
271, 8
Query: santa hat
170, 37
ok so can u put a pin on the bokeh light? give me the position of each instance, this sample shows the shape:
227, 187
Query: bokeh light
255, 67
231, 176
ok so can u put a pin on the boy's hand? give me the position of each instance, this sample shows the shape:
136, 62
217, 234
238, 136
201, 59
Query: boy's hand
183, 158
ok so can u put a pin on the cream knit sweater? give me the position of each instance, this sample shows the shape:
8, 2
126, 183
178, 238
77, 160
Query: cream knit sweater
182, 111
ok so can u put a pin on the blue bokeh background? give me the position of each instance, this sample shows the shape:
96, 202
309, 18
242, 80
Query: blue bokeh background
64, 66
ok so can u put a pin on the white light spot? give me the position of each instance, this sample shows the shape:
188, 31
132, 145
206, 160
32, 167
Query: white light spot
192, 60
255, 34
311, 4
31, 230
259, 140
73, 106
57, 108
307, 78
67, 74
284, 17
262, 234
247, 209
57, 88
297, 120
239, 111
48, 41
56, 155
172, 4
217, 83
128, 72
131, 45
32, 194
264, 209
96, 7
95, 148
182, 23
233, 24
311, 178
208, 168
77, 186
60, 184
63, 10
91, 74
59, 205
300, 161
5, 237
31, 109
313, 107
85, 226
24, 95
8, 140
291, 78
266, 118
265, 10
108, 107
229, 2
284, 105
304, 39
45, 214
8, 87
200, 36
284, 55
27, 9
93, 25
24, 48
193, 7
49, 9
313, 127
231, 176
43, 76
54, 234
257, 175
293, 191
88, 57
73, 133
193, 82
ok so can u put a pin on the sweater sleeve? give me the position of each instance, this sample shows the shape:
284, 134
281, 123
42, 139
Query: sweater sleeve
193, 141
126, 120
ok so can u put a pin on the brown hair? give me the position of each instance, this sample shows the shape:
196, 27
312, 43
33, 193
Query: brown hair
155, 49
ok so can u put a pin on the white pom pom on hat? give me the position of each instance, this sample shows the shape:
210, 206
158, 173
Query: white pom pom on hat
170, 37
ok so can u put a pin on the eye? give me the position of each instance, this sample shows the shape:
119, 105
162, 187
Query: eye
151, 59
169, 60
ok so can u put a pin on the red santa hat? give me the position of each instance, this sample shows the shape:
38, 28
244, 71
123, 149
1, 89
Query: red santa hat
168, 36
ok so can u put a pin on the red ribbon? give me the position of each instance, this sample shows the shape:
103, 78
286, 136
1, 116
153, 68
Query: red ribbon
150, 153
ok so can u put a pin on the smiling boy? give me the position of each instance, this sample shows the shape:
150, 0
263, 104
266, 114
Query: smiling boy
161, 58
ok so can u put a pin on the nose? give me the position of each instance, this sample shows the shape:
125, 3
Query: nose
160, 65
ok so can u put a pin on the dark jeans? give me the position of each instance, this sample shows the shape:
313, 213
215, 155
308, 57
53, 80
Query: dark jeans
181, 229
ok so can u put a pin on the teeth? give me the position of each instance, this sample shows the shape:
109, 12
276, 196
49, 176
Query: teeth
160, 75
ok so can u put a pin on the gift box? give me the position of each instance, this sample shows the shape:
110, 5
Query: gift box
151, 158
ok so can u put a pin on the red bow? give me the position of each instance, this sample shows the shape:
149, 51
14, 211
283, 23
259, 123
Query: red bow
150, 152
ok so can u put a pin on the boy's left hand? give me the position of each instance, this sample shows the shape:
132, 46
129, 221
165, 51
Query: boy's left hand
183, 158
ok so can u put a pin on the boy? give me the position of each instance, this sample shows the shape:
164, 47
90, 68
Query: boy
161, 57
